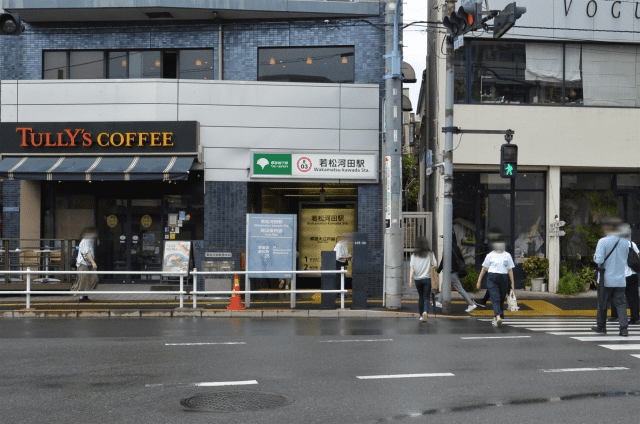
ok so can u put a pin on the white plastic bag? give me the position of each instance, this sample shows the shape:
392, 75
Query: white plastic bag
512, 302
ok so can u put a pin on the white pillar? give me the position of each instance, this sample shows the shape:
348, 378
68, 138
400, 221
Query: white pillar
553, 242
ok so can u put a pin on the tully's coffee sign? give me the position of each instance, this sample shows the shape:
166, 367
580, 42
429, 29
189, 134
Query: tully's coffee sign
99, 138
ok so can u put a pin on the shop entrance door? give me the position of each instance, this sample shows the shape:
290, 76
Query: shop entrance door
130, 234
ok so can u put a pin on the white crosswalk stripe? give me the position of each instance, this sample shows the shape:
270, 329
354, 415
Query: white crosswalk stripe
580, 330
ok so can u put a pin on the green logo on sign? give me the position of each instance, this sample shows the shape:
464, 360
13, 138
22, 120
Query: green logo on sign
271, 164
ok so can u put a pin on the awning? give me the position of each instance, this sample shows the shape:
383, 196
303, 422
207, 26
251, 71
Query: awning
117, 168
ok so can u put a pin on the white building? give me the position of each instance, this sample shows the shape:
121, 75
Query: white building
566, 80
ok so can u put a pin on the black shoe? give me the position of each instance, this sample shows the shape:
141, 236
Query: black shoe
612, 319
624, 332
634, 322
84, 299
599, 330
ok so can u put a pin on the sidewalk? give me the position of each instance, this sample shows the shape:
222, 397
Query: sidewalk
269, 306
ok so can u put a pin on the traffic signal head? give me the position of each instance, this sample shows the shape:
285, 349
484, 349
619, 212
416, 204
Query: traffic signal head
11, 24
508, 161
507, 19
464, 20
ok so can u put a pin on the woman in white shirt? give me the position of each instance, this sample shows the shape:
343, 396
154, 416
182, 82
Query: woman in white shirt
421, 262
498, 264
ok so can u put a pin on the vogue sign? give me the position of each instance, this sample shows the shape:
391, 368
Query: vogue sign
70, 138
616, 7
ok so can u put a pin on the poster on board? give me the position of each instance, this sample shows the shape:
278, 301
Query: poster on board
271, 243
177, 255
319, 229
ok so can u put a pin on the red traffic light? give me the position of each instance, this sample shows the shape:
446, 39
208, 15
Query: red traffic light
470, 19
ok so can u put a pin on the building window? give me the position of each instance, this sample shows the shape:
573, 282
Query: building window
196, 64
307, 64
98, 64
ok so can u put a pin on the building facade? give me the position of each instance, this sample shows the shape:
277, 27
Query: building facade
235, 85
565, 79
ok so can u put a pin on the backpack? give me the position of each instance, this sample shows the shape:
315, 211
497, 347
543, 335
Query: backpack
633, 261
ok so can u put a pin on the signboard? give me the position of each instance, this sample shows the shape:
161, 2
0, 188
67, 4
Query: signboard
319, 229
271, 244
217, 254
301, 166
176, 257
98, 138
458, 42
387, 192
466, 3
11, 209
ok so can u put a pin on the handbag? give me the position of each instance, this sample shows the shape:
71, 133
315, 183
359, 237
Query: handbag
633, 261
512, 302
435, 278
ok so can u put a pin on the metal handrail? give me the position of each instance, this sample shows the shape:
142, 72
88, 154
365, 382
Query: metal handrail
292, 291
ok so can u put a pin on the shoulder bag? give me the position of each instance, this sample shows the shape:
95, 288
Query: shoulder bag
633, 261
435, 278
601, 268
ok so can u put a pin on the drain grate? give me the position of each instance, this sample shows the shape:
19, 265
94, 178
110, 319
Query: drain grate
235, 401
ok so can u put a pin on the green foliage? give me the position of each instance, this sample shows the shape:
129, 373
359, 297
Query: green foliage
573, 282
410, 182
469, 282
585, 276
600, 205
535, 266
568, 284
526, 283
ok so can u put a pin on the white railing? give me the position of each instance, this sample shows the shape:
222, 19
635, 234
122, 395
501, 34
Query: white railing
195, 292
181, 293
28, 292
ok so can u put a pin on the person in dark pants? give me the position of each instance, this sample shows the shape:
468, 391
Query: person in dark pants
495, 235
611, 254
342, 258
498, 265
421, 262
631, 290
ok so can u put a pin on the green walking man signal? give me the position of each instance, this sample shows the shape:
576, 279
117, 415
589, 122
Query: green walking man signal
508, 160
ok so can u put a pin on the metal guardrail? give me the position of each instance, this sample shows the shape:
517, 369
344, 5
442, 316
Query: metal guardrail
194, 293
292, 291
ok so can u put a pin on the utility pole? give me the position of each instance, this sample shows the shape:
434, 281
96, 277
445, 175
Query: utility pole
393, 156
447, 176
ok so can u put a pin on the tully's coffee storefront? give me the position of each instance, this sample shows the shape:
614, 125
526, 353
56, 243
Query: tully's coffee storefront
138, 183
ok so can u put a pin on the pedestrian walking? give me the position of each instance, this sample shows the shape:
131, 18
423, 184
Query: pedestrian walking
611, 256
457, 261
498, 265
342, 258
631, 277
421, 262
86, 262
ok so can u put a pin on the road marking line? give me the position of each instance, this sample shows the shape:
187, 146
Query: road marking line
204, 344
206, 384
636, 356
586, 369
356, 340
374, 377
611, 338
495, 337
622, 347
558, 329
582, 333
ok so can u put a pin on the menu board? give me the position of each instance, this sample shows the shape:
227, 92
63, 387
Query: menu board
176, 257
319, 229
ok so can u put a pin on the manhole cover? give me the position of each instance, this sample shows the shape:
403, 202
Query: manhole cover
235, 401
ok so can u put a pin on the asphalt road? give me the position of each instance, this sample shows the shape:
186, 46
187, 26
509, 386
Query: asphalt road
138, 370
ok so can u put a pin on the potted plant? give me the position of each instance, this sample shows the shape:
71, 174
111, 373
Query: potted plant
527, 285
585, 277
536, 267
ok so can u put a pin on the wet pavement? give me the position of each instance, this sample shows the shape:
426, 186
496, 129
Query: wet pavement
332, 370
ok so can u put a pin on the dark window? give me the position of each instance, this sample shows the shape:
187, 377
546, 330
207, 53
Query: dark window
86, 65
196, 64
307, 64
118, 62
170, 65
145, 64
56, 65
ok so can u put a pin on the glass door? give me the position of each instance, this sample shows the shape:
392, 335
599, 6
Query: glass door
113, 237
146, 236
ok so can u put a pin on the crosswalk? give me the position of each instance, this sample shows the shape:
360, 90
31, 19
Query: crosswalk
580, 329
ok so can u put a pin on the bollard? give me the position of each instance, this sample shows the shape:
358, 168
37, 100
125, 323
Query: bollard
195, 288
28, 288
181, 290
342, 288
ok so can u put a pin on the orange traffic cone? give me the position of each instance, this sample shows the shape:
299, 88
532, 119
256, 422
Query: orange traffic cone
236, 299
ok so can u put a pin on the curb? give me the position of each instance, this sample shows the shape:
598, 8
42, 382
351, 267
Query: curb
202, 313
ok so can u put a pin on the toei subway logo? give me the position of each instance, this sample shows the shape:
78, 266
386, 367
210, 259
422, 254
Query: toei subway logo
79, 137
304, 164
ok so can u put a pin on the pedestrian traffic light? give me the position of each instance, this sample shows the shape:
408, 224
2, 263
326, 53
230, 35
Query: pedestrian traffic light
507, 19
508, 161
464, 20
11, 24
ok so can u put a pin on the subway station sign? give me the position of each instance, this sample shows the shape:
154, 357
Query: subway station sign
98, 138
302, 166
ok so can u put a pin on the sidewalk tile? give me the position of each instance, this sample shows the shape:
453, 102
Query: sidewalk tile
349, 313
269, 314
293, 314
216, 313
6, 314
29, 313
125, 313
323, 313
187, 313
